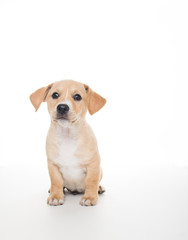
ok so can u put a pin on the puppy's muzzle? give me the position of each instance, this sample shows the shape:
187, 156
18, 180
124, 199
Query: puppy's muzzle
62, 109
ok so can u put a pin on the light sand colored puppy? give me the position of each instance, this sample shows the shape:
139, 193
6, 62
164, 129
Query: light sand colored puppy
71, 147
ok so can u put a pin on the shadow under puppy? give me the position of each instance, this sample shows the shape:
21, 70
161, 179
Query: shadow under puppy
71, 146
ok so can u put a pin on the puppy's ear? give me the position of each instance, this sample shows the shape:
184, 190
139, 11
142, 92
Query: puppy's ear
95, 101
39, 96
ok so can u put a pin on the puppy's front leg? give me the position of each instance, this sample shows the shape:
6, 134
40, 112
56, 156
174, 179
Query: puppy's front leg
91, 184
56, 191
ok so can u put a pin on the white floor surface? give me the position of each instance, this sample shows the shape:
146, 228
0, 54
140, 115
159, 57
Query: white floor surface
142, 203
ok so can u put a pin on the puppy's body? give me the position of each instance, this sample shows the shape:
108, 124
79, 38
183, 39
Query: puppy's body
71, 147
69, 164
71, 153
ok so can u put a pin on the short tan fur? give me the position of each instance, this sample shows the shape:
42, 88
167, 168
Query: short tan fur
71, 147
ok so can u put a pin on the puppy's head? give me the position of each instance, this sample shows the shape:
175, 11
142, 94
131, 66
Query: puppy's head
68, 101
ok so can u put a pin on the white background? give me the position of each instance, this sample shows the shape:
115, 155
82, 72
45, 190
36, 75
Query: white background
135, 54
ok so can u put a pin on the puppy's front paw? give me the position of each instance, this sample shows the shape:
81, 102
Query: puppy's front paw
89, 200
55, 199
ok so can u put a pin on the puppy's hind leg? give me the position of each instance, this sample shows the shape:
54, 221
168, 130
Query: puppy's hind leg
101, 190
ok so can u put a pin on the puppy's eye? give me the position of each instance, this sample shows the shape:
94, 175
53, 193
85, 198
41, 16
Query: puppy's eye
55, 95
77, 97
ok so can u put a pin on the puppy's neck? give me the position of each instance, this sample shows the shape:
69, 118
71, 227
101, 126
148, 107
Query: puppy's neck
68, 130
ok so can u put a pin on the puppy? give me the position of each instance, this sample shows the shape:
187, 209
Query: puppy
71, 147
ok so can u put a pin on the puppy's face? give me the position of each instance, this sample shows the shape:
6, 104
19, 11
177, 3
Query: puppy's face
68, 101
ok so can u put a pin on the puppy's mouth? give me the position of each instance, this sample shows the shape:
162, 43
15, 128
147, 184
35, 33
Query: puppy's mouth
57, 118
61, 118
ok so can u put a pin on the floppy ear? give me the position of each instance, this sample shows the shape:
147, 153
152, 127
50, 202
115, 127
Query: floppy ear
39, 96
95, 101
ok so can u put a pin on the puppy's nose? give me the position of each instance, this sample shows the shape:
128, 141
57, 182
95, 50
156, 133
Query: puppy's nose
62, 108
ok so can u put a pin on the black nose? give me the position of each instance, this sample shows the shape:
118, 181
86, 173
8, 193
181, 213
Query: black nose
62, 108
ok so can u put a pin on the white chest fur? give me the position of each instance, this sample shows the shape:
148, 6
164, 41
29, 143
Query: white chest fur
73, 173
